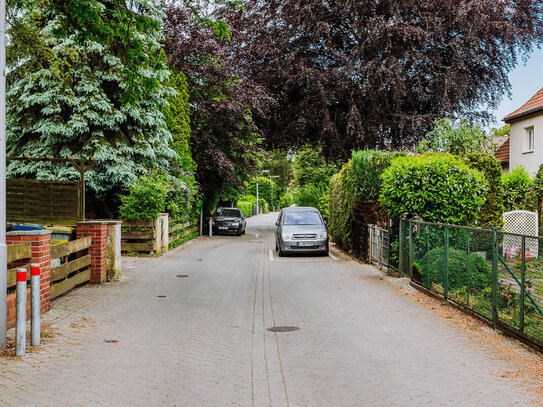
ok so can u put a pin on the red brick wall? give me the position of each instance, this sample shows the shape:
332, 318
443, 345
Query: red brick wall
40, 245
98, 250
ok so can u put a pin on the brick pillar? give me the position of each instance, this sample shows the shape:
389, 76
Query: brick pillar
40, 245
98, 250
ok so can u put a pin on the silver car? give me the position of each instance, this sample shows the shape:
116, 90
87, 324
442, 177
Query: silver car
301, 230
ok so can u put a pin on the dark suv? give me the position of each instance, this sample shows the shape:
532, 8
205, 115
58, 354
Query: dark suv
228, 220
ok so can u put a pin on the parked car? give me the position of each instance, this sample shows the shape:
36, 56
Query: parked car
301, 230
228, 220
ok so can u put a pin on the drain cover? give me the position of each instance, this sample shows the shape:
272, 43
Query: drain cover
111, 341
182, 276
161, 296
283, 328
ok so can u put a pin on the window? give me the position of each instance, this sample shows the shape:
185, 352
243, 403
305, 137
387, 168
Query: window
302, 218
529, 140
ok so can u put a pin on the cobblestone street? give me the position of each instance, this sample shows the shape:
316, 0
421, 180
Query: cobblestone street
156, 338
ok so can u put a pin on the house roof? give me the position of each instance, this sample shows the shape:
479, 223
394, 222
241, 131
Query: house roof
502, 153
535, 104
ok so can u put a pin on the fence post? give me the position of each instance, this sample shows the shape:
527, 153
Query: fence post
20, 335
467, 268
494, 278
411, 248
35, 304
400, 248
446, 256
522, 282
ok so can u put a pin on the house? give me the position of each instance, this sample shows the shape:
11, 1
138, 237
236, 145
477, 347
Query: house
526, 134
501, 144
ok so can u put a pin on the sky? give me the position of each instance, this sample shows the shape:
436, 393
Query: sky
526, 80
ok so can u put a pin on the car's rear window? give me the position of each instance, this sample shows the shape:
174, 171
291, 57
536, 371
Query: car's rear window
228, 212
301, 218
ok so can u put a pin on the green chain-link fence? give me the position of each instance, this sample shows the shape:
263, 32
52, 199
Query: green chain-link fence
495, 274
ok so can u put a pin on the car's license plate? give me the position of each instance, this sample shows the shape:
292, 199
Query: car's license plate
223, 227
305, 243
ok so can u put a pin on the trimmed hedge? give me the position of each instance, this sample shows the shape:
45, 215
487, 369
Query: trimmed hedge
341, 205
436, 187
491, 213
368, 166
516, 186
479, 275
246, 207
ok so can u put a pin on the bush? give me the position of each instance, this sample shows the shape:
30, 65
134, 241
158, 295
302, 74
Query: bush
341, 205
516, 186
264, 205
314, 196
368, 166
491, 213
436, 187
246, 207
146, 199
267, 190
286, 199
248, 198
432, 267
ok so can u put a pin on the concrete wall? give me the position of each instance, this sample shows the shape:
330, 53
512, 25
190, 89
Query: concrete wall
517, 153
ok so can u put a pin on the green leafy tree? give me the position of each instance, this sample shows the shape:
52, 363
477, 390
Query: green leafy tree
279, 163
517, 185
501, 131
310, 167
459, 138
267, 190
436, 187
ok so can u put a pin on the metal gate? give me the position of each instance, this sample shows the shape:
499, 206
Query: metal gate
380, 246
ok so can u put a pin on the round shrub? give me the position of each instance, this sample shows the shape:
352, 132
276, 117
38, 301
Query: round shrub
516, 185
436, 187
146, 199
432, 267
246, 207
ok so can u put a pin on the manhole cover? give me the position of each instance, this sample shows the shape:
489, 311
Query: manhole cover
283, 328
161, 296
200, 259
111, 341
182, 276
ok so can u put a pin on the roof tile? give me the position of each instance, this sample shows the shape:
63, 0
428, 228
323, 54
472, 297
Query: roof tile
535, 104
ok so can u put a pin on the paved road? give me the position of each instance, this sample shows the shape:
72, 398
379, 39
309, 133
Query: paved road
155, 339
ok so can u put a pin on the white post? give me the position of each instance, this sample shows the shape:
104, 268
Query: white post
3, 246
210, 227
20, 323
35, 304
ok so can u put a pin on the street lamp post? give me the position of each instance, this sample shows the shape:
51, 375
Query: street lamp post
273, 176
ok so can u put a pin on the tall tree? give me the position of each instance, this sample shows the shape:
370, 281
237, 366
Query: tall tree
376, 74
224, 140
97, 89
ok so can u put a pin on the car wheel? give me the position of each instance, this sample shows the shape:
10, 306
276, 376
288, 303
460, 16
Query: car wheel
280, 252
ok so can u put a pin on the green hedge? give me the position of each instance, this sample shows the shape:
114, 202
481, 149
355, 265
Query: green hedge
491, 213
341, 205
246, 207
368, 166
436, 187
516, 186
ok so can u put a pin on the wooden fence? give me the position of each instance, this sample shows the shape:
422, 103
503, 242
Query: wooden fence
48, 202
140, 236
75, 267
179, 229
154, 236
18, 252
